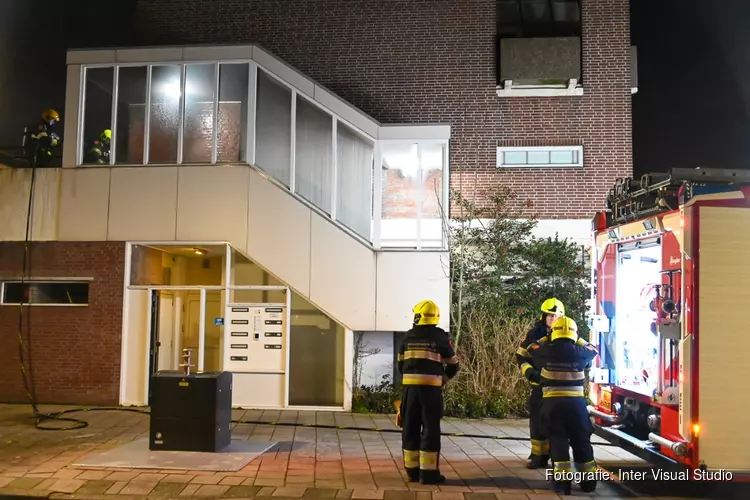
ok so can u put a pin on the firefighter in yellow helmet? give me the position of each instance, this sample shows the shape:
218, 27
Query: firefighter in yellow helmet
562, 362
39, 139
98, 151
551, 310
426, 359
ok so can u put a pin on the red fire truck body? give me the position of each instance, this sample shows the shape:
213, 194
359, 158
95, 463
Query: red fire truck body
671, 286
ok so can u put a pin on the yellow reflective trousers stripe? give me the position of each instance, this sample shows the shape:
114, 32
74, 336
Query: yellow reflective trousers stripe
428, 460
432, 356
539, 447
562, 392
561, 375
414, 379
411, 459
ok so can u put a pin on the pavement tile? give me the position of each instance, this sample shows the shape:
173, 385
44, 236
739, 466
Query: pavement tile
232, 480
149, 477
320, 493
206, 480
138, 488
178, 478
117, 487
122, 476
189, 490
25, 483
167, 490
211, 490
67, 485
289, 492
45, 484
95, 487
241, 492
367, 494
93, 474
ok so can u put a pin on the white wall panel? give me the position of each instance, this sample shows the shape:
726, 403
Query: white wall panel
143, 204
406, 278
278, 233
15, 187
212, 204
84, 204
342, 276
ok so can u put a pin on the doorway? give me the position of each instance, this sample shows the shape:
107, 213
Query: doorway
162, 339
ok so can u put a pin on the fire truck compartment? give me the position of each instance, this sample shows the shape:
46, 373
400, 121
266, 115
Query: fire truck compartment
632, 344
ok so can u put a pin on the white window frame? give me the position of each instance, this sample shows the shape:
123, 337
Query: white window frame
86, 281
501, 150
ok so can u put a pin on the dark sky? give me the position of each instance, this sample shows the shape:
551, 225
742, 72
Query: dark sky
692, 107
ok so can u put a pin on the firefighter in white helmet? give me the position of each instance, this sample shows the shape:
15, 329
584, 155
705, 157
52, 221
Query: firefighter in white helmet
551, 310
562, 362
425, 359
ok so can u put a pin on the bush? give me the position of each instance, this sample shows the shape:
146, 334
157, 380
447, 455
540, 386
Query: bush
499, 276
376, 398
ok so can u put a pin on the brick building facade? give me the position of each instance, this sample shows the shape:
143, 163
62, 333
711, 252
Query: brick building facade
430, 66
75, 351
435, 61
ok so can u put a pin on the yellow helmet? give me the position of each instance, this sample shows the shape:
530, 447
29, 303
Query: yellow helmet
426, 313
552, 306
50, 115
564, 328
106, 136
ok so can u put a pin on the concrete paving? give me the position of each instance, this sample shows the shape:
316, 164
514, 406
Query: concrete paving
308, 462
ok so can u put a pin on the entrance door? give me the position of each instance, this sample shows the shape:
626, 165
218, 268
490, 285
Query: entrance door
161, 345
212, 345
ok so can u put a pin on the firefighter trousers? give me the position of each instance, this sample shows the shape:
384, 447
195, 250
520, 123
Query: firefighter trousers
421, 411
537, 431
568, 425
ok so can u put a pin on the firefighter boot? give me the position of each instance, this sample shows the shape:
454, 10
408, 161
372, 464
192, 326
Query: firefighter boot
587, 486
432, 477
562, 487
538, 462
412, 475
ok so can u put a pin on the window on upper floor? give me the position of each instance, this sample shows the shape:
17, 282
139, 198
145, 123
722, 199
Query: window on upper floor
540, 156
165, 114
538, 18
539, 47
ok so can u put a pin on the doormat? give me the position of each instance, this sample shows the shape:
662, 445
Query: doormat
136, 455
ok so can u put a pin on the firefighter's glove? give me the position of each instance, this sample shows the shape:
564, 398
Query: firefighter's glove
399, 423
534, 376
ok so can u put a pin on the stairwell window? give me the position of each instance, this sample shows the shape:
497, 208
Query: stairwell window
45, 293
540, 156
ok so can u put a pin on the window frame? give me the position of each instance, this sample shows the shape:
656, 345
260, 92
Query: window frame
539, 29
45, 281
501, 150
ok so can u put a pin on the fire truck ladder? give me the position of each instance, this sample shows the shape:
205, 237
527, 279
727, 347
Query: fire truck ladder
655, 193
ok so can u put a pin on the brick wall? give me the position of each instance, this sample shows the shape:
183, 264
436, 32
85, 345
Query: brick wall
75, 351
427, 61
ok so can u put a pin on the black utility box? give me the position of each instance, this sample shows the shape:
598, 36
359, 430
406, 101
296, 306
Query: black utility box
190, 412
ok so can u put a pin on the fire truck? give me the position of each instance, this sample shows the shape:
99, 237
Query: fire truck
670, 289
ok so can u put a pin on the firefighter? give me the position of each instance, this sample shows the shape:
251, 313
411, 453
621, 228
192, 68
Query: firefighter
98, 152
39, 139
421, 356
551, 310
563, 361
